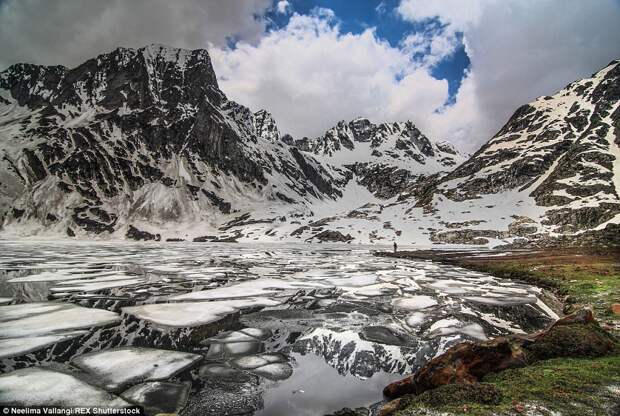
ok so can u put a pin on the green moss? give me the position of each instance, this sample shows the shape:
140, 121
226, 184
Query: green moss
575, 340
574, 387
453, 397
483, 393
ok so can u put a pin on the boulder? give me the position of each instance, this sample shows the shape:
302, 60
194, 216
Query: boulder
138, 235
575, 335
332, 236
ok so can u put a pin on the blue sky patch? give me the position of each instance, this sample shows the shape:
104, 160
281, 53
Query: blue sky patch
388, 26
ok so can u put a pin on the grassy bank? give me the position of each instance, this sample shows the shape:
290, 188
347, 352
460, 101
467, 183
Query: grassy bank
566, 386
570, 387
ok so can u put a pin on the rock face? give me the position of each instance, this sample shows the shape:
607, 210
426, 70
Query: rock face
463, 363
576, 335
141, 135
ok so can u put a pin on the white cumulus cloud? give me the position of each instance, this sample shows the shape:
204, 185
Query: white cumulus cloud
519, 50
310, 75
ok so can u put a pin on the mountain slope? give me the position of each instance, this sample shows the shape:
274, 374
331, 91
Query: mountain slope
550, 176
554, 166
139, 136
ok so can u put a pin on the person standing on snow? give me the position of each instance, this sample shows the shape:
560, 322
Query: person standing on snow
395, 246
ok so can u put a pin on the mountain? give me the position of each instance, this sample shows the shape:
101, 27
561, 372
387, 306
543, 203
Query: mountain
388, 159
140, 137
142, 143
550, 176
552, 170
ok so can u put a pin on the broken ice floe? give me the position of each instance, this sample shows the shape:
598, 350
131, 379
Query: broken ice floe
191, 314
31, 326
44, 387
360, 314
270, 366
414, 303
116, 368
158, 397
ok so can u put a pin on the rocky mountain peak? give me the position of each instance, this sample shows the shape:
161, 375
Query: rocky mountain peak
554, 166
140, 136
393, 137
266, 127
125, 77
361, 129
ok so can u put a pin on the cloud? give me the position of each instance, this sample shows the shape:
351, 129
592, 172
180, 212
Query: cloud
518, 51
310, 75
381, 8
283, 7
431, 46
68, 32
459, 14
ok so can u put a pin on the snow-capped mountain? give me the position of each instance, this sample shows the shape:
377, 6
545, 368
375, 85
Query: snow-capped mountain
550, 176
552, 170
141, 143
266, 127
389, 158
140, 137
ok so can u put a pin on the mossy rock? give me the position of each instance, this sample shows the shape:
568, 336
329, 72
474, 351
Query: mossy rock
572, 340
453, 395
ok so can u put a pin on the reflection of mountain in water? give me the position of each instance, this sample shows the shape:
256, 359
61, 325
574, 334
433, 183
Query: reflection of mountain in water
348, 353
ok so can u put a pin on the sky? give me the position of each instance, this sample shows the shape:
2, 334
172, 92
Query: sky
457, 68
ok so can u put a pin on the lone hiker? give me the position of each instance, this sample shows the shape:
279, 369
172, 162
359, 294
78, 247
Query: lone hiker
395, 246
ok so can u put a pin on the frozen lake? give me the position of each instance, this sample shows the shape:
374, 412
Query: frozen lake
264, 329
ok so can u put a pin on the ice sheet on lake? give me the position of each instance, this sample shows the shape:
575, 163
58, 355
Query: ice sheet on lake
445, 327
50, 318
490, 299
116, 368
13, 347
60, 275
94, 285
270, 366
370, 291
43, 387
260, 287
204, 283
414, 303
159, 397
191, 314
415, 319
